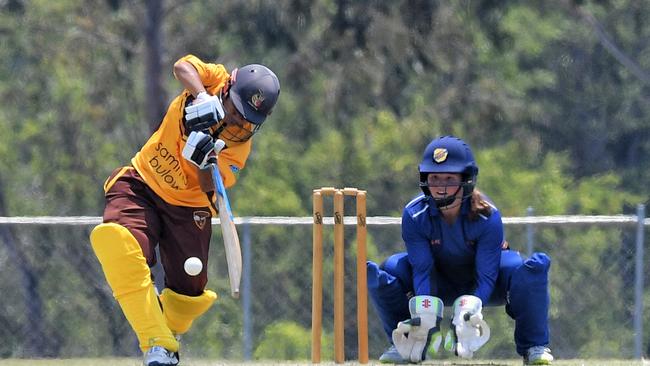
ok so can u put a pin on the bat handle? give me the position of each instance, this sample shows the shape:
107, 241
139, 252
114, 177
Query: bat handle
219, 144
221, 189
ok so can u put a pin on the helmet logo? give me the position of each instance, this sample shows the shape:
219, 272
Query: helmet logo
440, 155
256, 100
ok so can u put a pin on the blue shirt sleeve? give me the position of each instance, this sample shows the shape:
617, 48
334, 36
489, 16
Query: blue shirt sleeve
488, 255
419, 253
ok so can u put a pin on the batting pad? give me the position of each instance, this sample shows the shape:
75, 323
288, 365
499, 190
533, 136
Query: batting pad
181, 310
128, 275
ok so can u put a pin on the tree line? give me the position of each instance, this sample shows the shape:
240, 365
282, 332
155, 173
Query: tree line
552, 96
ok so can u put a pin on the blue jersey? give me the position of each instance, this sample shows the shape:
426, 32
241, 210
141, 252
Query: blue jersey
466, 253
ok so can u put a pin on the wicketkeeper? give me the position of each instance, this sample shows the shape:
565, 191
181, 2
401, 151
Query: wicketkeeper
456, 255
158, 200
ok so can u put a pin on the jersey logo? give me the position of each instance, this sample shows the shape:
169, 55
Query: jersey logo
440, 155
200, 217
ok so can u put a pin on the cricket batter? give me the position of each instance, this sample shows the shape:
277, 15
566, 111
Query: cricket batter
157, 200
456, 254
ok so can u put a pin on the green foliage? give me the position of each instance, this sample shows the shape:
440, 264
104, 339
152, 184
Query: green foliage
604, 193
270, 194
556, 120
524, 181
284, 341
546, 184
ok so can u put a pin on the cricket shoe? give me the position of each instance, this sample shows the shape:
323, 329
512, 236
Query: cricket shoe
159, 356
538, 355
392, 356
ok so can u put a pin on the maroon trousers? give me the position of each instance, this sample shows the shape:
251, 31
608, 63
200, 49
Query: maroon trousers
180, 232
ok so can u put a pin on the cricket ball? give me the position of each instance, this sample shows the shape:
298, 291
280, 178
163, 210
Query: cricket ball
193, 266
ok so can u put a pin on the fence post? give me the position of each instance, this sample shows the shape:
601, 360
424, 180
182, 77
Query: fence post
638, 283
247, 321
530, 233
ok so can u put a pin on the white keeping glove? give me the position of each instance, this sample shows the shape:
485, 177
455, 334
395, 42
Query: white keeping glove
199, 149
205, 112
470, 331
412, 337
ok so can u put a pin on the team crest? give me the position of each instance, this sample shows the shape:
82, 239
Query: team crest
200, 217
440, 155
256, 100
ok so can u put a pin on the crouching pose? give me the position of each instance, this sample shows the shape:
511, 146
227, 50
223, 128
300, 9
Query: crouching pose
456, 254
164, 198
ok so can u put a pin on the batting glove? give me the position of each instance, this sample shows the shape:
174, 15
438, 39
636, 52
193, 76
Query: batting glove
205, 112
199, 149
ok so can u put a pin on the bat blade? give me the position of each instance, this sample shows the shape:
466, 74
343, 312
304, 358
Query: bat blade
229, 233
231, 246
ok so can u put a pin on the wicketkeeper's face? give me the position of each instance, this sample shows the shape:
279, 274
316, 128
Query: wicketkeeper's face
442, 185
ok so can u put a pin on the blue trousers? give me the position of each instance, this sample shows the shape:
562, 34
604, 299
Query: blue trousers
522, 286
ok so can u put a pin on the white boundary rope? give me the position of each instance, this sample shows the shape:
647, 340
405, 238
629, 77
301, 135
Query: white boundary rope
348, 220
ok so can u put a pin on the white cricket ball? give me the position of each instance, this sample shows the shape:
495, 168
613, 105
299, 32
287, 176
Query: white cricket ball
193, 266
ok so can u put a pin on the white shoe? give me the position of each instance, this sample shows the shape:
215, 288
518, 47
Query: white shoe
538, 355
159, 356
392, 356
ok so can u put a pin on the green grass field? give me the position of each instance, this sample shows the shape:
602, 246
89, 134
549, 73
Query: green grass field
203, 362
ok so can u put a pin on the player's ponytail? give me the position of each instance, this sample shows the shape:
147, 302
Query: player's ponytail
480, 206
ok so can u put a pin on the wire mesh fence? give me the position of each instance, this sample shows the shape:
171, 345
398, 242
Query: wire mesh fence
56, 303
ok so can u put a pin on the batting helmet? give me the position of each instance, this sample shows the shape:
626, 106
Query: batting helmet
448, 154
254, 92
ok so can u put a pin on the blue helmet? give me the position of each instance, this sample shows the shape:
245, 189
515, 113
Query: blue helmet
449, 154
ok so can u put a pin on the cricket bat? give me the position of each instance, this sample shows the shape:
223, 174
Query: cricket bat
228, 229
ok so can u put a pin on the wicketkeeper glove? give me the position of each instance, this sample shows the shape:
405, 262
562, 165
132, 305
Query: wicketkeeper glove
469, 331
205, 112
412, 337
199, 149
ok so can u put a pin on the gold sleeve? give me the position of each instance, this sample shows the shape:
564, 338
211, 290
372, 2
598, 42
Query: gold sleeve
212, 75
233, 159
